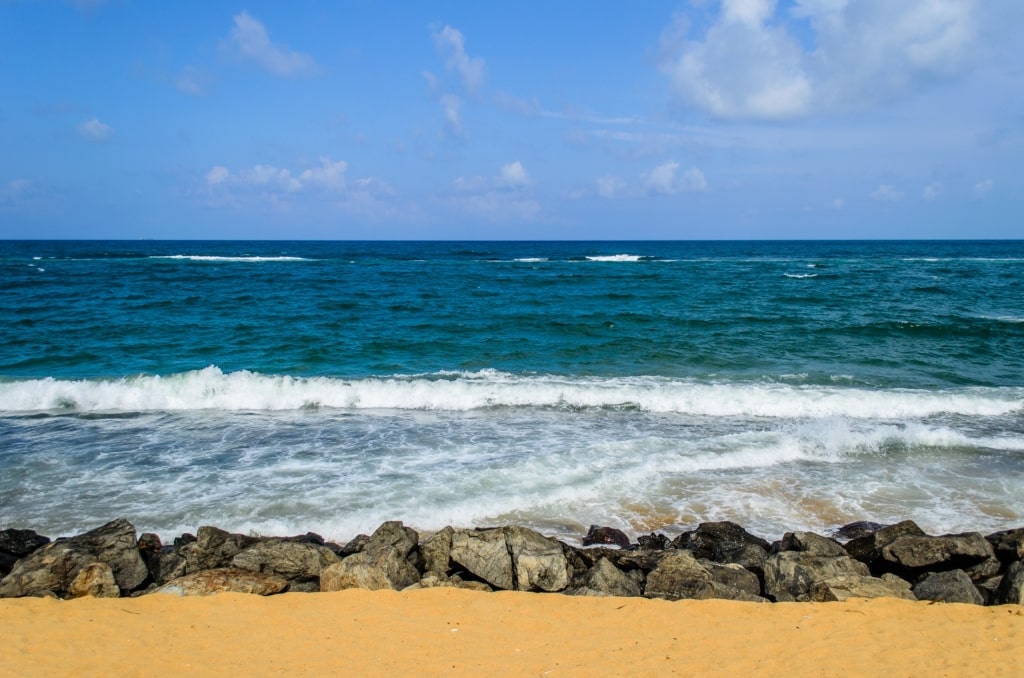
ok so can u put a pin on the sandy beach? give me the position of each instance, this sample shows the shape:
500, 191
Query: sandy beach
465, 633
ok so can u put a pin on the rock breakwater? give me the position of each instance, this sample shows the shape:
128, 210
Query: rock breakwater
714, 560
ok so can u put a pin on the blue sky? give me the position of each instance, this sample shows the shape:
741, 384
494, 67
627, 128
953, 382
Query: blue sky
557, 120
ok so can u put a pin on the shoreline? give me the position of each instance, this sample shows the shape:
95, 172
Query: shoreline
456, 632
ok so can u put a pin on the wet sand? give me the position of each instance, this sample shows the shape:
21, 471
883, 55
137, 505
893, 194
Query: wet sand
465, 633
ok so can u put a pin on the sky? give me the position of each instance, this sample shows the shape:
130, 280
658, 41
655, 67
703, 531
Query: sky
574, 120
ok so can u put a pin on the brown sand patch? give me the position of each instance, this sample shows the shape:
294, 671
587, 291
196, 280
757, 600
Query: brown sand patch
462, 633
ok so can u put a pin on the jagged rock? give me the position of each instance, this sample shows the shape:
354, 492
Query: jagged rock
844, 586
604, 579
868, 549
354, 546
856, 530
213, 548
990, 567
809, 542
96, 580
186, 538
1011, 589
385, 562
748, 556
51, 568
512, 558
642, 559
708, 536
436, 551
789, 575
921, 553
16, 544
952, 586
734, 576
296, 561
224, 580
1007, 544
658, 542
605, 535
679, 575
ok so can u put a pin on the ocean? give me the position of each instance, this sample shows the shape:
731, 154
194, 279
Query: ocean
284, 387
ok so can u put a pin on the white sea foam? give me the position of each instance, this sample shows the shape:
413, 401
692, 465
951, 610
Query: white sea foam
800, 275
616, 257
212, 389
532, 260
198, 257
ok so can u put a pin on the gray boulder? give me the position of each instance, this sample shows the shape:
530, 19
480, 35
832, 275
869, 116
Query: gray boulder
733, 576
846, 586
680, 576
296, 561
704, 540
814, 544
868, 548
16, 544
916, 554
436, 551
789, 575
748, 556
387, 561
52, 568
1007, 544
1011, 588
951, 586
224, 580
96, 580
606, 535
604, 579
511, 558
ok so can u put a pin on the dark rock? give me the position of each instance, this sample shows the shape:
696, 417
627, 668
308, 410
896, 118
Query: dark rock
437, 551
297, 561
605, 535
1007, 544
386, 561
96, 580
734, 576
986, 569
512, 558
308, 538
680, 576
641, 559
789, 575
916, 554
707, 536
951, 586
355, 545
856, 530
52, 568
149, 548
658, 542
748, 556
604, 579
21, 542
809, 542
844, 586
1011, 588
868, 549
224, 580
186, 538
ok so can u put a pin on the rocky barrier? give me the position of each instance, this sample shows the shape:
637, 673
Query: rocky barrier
715, 560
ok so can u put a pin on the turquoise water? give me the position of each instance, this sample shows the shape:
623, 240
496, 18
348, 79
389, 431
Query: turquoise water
292, 386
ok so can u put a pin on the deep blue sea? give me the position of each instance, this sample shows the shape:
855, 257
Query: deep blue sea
279, 387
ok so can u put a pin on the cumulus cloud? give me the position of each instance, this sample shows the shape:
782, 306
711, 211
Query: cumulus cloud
504, 197
95, 131
662, 180
452, 107
451, 44
250, 41
328, 176
752, 64
886, 193
610, 187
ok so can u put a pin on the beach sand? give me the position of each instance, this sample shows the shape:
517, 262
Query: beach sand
454, 632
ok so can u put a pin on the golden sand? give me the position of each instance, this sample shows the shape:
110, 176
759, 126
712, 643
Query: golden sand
452, 632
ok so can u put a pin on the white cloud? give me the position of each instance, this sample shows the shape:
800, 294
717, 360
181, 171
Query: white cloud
450, 43
193, 82
662, 180
886, 193
452, 107
610, 187
217, 175
94, 130
504, 197
752, 64
932, 190
250, 41
983, 188
328, 177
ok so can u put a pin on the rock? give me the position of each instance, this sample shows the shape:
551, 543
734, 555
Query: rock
856, 530
96, 580
296, 561
868, 548
809, 542
224, 580
658, 542
512, 558
734, 576
436, 552
16, 544
1011, 589
354, 546
844, 586
186, 538
1007, 544
604, 579
789, 575
748, 556
681, 576
52, 568
606, 535
951, 586
917, 554
708, 536
385, 562
214, 548
642, 559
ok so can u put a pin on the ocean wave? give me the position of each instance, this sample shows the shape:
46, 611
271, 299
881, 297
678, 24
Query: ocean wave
616, 257
800, 275
213, 389
204, 257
